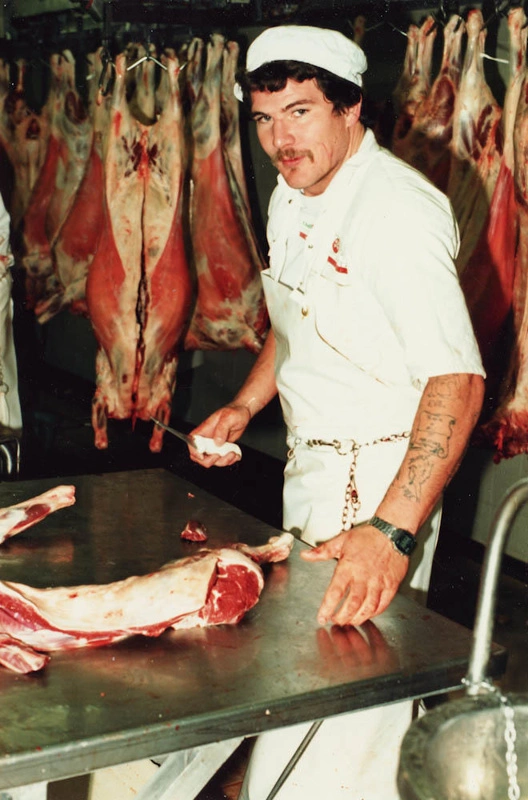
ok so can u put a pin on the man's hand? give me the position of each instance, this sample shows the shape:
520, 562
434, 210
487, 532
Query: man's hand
225, 425
366, 578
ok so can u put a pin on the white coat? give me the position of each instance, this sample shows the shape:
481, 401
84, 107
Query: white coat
375, 310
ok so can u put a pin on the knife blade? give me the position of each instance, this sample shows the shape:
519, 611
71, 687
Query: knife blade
201, 443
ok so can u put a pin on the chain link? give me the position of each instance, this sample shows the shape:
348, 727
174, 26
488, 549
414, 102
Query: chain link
352, 448
510, 737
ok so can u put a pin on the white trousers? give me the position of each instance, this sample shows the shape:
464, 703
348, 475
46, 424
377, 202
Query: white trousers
353, 756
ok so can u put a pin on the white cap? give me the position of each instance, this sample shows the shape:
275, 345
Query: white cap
319, 47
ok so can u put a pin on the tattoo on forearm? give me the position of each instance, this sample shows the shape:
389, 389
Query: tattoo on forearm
433, 433
418, 472
430, 440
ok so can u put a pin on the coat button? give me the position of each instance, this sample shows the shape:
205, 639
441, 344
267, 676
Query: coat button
304, 311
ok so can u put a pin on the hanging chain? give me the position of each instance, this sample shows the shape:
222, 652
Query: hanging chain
352, 448
510, 737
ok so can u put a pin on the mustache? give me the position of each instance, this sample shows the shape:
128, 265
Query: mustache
289, 153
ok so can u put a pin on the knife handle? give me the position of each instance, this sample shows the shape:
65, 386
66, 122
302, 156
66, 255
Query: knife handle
205, 445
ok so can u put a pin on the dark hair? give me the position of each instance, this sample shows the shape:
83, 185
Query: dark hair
272, 77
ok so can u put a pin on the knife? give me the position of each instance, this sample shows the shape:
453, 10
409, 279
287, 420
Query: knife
201, 443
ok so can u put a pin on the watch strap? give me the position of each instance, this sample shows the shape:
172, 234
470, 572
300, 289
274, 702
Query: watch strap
403, 541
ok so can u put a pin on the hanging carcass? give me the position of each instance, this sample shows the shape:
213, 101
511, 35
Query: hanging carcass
476, 144
417, 87
138, 289
426, 145
59, 178
230, 311
78, 238
508, 428
488, 276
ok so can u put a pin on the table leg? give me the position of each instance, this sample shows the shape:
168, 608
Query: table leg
186, 773
33, 791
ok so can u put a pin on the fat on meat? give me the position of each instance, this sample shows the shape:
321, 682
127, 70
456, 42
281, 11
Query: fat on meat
78, 238
427, 144
211, 587
59, 178
17, 518
487, 280
115, 272
417, 90
476, 145
507, 430
165, 291
229, 310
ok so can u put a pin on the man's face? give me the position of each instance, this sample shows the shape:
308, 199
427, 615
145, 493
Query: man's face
302, 134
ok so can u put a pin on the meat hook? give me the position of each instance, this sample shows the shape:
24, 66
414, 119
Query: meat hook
105, 79
501, 9
146, 58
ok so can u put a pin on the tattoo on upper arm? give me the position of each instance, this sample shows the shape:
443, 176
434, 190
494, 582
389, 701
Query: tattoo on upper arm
443, 389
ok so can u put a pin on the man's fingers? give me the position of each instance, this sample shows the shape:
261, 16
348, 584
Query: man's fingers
213, 460
342, 595
359, 610
330, 549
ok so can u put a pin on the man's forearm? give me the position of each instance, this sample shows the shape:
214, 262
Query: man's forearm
448, 411
260, 386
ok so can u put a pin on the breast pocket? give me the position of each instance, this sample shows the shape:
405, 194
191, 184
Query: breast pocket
350, 320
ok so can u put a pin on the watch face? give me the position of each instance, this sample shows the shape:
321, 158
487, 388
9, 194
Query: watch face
405, 542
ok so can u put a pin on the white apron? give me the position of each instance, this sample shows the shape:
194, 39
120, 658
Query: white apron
353, 756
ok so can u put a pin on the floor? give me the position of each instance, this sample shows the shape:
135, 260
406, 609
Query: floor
58, 441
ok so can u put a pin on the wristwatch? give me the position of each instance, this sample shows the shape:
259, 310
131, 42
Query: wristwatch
403, 541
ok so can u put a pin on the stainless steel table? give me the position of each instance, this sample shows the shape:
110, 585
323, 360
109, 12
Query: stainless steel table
93, 708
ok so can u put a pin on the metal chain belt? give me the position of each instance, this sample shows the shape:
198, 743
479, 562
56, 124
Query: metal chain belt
352, 448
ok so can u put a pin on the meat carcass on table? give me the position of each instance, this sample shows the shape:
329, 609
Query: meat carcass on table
476, 146
426, 145
78, 238
54, 192
417, 90
212, 587
165, 292
16, 518
487, 280
507, 430
230, 310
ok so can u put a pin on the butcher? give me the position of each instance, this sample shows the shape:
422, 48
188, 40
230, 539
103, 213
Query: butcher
373, 356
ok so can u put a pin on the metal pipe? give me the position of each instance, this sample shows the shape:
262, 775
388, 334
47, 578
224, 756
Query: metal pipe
292, 763
500, 529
